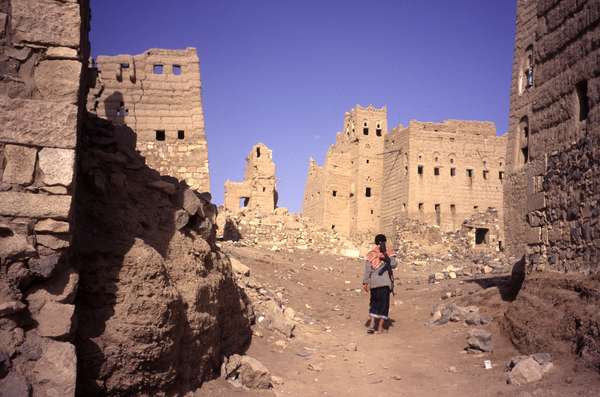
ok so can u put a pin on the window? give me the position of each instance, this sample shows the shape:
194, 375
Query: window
332, 227
180, 134
420, 169
438, 214
257, 152
334, 193
403, 206
371, 212
436, 171
485, 174
124, 66
368, 192
469, 173
367, 161
158, 69
378, 130
524, 140
177, 70
475, 208
453, 209
583, 105
481, 235
452, 171
365, 131
160, 135
421, 207
501, 175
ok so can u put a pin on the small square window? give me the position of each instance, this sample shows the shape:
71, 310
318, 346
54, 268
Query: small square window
469, 173
367, 161
158, 69
180, 134
160, 135
420, 169
334, 193
368, 192
501, 175
124, 66
421, 207
436, 171
378, 132
365, 131
177, 70
453, 209
485, 174
452, 171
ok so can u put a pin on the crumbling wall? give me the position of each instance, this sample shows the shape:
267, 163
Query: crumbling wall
258, 190
443, 172
552, 196
158, 95
43, 47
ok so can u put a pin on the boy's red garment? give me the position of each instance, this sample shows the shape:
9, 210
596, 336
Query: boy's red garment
375, 256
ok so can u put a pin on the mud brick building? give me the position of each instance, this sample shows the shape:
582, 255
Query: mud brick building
158, 95
258, 191
442, 173
345, 193
553, 157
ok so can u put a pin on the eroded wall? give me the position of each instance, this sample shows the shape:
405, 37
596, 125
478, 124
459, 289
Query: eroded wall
43, 50
258, 191
158, 95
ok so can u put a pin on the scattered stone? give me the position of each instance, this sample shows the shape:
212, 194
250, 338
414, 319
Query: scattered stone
542, 358
351, 347
239, 267
479, 340
289, 313
276, 380
525, 371
315, 367
246, 371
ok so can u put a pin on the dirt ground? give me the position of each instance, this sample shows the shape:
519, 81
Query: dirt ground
411, 359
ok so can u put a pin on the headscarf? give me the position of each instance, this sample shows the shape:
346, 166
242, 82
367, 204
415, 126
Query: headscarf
376, 257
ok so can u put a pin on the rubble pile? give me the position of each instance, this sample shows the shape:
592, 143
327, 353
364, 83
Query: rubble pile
282, 231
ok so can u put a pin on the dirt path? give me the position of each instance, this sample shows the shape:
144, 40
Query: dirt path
411, 359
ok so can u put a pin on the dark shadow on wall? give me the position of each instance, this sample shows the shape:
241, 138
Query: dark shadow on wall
137, 333
508, 286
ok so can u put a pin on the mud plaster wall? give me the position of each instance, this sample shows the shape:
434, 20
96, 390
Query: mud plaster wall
158, 95
551, 197
258, 190
443, 197
345, 193
43, 48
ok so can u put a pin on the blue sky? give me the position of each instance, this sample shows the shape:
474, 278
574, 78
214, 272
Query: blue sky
284, 72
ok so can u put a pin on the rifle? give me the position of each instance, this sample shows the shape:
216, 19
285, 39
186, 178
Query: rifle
387, 264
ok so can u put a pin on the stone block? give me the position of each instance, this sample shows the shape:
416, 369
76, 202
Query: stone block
15, 246
191, 202
61, 53
53, 242
238, 267
54, 374
44, 265
46, 22
51, 226
57, 166
20, 164
14, 384
534, 235
37, 122
34, 205
536, 202
55, 320
61, 289
58, 80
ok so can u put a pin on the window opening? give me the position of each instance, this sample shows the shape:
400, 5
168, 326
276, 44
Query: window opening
257, 152
582, 99
481, 235
436, 171
332, 227
180, 134
452, 171
365, 131
420, 169
368, 192
453, 209
160, 135
378, 130
334, 193
485, 174
177, 70
158, 69
421, 207
469, 173
244, 201
501, 175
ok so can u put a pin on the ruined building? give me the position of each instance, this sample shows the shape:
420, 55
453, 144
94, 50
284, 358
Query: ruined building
345, 193
440, 173
552, 189
157, 94
258, 191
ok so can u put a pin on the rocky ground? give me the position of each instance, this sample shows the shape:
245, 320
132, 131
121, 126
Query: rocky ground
422, 354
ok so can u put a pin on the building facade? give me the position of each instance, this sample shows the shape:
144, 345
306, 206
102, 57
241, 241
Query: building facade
158, 95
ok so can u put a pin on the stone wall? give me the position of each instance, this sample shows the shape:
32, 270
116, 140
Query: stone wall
43, 48
158, 95
442, 173
258, 190
345, 194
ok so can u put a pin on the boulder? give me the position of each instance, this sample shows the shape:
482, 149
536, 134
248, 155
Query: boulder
57, 166
525, 371
246, 371
55, 320
55, 372
181, 218
20, 164
191, 202
51, 226
277, 321
479, 339
15, 246
239, 267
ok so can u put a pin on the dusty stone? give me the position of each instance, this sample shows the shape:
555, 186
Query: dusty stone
61, 53
52, 242
351, 347
51, 226
276, 320
14, 385
289, 313
480, 339
246, 371
15, 246
487, 269
54, 374
181, 219
191, 202
38, 122
12, 307
473, 318
46, 22
58, 79
439, 276
20, 164
239, 267
525, 371
57, 166
55, 320
44, 265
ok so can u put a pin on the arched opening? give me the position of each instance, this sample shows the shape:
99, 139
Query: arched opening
523, 131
